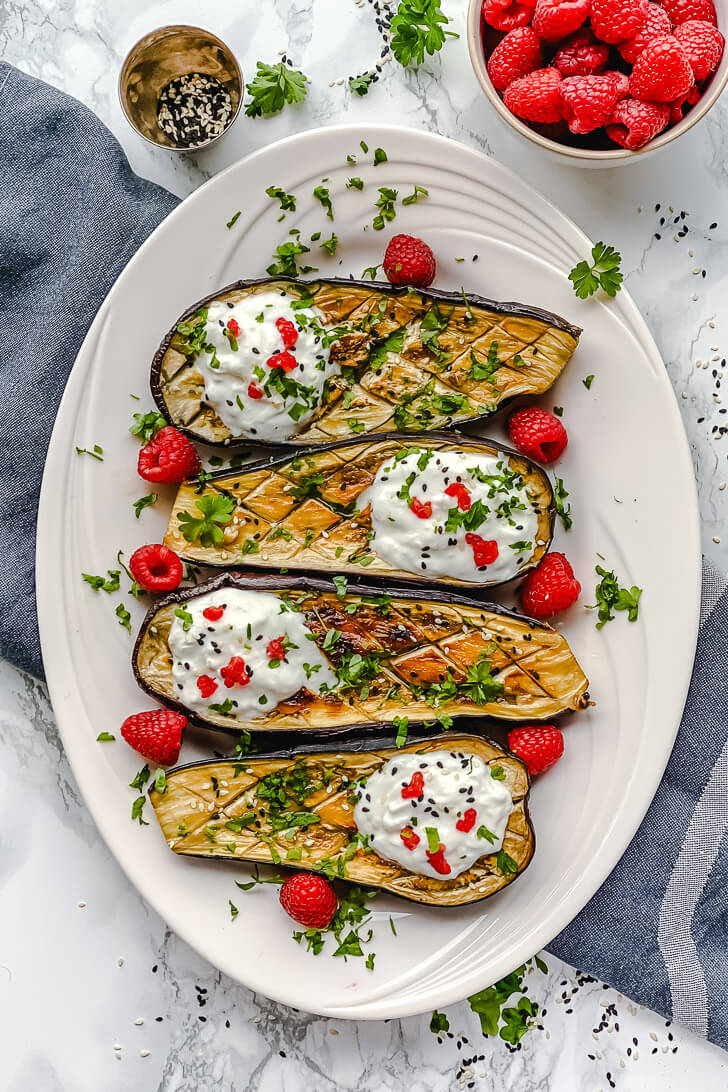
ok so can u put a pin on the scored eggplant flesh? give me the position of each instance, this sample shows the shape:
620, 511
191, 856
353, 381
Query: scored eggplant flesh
421, 655
300, 511
413, 360
216, 810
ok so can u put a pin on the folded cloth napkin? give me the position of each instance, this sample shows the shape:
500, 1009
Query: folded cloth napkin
72, 215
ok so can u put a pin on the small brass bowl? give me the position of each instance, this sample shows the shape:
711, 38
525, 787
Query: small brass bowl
161, 56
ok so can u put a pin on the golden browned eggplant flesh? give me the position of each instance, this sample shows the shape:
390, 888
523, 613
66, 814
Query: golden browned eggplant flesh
279, 361
307, 655
438, 508
332, 810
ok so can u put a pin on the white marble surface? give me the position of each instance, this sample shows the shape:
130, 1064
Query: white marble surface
95, 992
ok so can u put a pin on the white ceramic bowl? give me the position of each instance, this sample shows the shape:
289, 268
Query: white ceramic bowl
584, 157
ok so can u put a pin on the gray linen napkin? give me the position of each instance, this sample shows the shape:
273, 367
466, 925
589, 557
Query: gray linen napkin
71, 215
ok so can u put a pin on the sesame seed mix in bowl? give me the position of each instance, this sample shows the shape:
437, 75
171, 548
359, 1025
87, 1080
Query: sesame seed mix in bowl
194, 109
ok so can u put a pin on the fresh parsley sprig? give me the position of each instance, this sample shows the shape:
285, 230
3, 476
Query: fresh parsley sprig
512, 1022
418, 28
610, 596
604, 273
273, 87
216, 511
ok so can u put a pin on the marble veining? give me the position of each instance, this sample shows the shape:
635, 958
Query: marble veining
95, 990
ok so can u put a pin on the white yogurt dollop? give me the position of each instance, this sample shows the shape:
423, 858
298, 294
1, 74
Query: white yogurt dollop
203, 648
499, 510
253, 397
452, 803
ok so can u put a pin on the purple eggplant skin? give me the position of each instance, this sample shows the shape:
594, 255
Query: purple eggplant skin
364, 730
405, 439
503, 308
406, 886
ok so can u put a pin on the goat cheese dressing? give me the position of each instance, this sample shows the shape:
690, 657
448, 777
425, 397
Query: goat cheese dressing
225, 650
435, 813
500, 512
249, 393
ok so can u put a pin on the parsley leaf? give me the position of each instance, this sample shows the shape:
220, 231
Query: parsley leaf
330, 245
414, 197
233, 910
489, 1005
417, 28
354, 184
273, 87
136, 810
97, 453
99, 583
588, 381
380, 156
124, 617
286, 266
321, 194
147, 425
231, 222
400, 723
610, 597
385, 204
604, 273
144, 502
216, 512
563, 510
287, 200
105, 737
359, 85
439, 1023
185, 618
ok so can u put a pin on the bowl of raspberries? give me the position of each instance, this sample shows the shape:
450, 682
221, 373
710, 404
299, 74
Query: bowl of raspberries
599, 81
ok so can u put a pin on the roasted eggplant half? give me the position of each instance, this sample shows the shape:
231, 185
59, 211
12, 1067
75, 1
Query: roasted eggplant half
441, 508
278, 361
311, 656
298, 809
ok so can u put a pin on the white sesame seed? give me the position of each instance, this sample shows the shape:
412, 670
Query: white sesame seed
711, 324
144, 1053
117, 1046
120, 961
81, 905
138, 1021
684, 394
716, 540
721, 486
694, 297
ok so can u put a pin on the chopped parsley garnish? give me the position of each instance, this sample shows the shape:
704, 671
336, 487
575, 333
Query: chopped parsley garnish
559, 411
400, 723
287, 201
160, 781
354, 184
233, 219
481, 370
359, 85
105, 737
286, 266
216, 511
136, 811
96, 453
394, 343
144, 502
307, 485
100, 583
587, 381
352, 914
380, 156
439, 1023
385, 203
147, 425
185, 618
497, 773
483, 832
321, 194
330, 245
233, 910
418, 28
610, 597
603, 273
192, 333
356, 425
341, 586
371, 272
124, 617
222, 707
505, 864
364, 146
563, 510
250, 546
330, 638
257, 878
414, 197
432, 325
490, 1006
433, 839
273, 87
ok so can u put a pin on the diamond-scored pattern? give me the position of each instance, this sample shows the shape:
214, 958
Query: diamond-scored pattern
369, 315
211, 809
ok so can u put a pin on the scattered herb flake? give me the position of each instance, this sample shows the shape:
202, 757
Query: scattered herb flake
611, 596
380, 156
144, 502
147, 425
287, 201
105, 737
563, 510
588, 381
233, 219
124, 617
97, 452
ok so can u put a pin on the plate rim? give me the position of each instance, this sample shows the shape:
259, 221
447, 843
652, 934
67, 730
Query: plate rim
47, 561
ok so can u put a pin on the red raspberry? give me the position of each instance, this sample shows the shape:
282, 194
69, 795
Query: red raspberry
550, 588
309, 899
515, 55
288, 332
655, 25
538, 434
554, 19
485, 550
254, 391
422, 511
536, 97
682, 10
168, 457
415, 788
662, 72
235, 673
679, 108
615, 20
155, 735
468, 820
703, 44
621, 82
461, 494
437, 860
409, 260
206, 686
284, 360
539, 746
213, 614
156, 568
233, 327
409, 837
581, 55
508, 14
588, 101
633, 123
